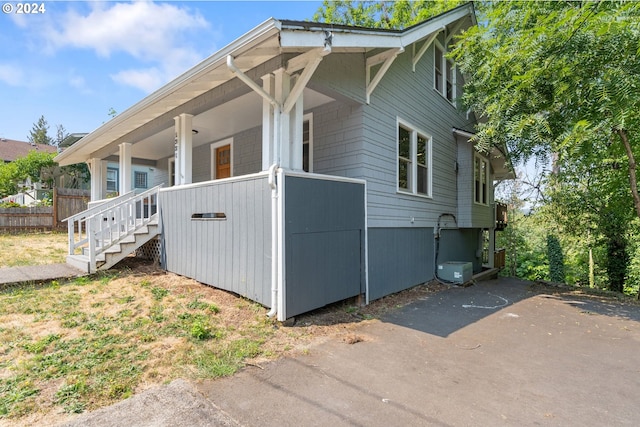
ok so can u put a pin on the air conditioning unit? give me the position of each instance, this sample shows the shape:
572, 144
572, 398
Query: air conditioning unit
455, 271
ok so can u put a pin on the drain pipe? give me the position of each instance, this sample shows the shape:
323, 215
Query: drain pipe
274, 240
277, 111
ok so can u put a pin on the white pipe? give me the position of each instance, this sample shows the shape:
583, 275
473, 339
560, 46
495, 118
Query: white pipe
274, 240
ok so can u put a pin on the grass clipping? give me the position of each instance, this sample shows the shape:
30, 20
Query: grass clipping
80, 345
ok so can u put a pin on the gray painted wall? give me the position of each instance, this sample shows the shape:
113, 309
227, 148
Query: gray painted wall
231, 254
324, 242
400, 258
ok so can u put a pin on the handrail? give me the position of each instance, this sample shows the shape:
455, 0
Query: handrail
105, 225
107, 203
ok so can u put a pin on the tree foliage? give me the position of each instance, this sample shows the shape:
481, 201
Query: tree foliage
381, 14
39, 132
552, 77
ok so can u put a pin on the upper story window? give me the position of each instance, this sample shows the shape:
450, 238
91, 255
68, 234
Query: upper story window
414, 160
444, 80
481, 180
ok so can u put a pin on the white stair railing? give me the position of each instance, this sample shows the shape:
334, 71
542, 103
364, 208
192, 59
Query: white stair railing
104, 225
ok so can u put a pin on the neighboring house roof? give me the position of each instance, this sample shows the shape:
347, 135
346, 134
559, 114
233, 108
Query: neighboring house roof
71, 139
11, 149
265, 42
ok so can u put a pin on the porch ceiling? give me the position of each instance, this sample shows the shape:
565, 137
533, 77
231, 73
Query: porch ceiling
223, 121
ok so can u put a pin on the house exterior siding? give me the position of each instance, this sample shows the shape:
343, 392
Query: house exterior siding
231, 254
337, 139
324, 236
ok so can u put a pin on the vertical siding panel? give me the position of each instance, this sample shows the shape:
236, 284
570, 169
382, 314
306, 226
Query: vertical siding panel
230, 254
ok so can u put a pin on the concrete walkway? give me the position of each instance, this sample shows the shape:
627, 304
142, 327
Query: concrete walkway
37, 273
494, 354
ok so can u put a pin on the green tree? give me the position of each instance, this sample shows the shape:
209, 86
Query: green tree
563, 79
39, 132
382, 14
550, 74
556, 259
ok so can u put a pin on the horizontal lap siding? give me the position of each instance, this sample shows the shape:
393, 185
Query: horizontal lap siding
410, 96
231, 254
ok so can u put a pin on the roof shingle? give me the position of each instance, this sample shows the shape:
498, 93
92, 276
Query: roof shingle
11, 149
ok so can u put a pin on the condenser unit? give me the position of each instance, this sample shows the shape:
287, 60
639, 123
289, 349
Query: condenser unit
455, 271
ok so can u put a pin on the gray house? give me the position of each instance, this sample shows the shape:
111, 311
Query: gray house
301, 165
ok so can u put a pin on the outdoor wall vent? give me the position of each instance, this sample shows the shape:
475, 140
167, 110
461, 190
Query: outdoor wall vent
209, 216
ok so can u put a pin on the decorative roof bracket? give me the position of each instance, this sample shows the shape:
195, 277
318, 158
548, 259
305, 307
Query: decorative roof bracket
417, 56
385, 58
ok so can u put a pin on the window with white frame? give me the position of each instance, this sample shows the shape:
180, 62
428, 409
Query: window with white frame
112, 179
481, 180
444, 79
140, 179
414, 160
307, 143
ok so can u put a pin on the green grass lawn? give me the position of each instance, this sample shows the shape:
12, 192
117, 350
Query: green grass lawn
77, 346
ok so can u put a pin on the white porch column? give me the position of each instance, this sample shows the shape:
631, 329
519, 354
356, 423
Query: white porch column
283, 85
268, 141
98, 170
125, 171
184, 149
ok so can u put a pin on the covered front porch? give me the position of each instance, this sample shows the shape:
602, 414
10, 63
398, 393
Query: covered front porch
237, 204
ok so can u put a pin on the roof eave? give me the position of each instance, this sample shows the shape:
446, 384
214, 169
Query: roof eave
78, 152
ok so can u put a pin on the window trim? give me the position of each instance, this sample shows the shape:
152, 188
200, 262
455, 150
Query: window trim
413, 161
482, 198
444, 74
218, 144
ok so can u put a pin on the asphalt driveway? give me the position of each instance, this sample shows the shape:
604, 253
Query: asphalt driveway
496, 353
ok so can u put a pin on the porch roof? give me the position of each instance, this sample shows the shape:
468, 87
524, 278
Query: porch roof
265, 42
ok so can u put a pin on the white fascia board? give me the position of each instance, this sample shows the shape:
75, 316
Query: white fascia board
421, 31
340, 39
120, 124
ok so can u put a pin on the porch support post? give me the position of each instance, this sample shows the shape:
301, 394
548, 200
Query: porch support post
125, 172
268, 142
283, 85
184, 148
98, 169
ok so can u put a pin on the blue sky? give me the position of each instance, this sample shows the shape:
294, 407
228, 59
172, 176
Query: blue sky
78, 59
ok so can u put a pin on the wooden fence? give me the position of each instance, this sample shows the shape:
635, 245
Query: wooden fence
66, 202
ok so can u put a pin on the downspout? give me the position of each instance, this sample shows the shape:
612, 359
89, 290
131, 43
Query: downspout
274, 240
273, 185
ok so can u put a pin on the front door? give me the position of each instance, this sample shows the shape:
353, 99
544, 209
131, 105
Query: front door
223, 161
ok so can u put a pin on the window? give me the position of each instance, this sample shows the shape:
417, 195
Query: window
307, 143
481, 180
112, 179
444, 80
414, 161
140, 179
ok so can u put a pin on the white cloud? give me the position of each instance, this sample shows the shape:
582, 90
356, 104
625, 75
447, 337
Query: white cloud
80, 83
146, 80
155, 35
11, 75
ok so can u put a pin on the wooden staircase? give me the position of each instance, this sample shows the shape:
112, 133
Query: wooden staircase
107, 232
